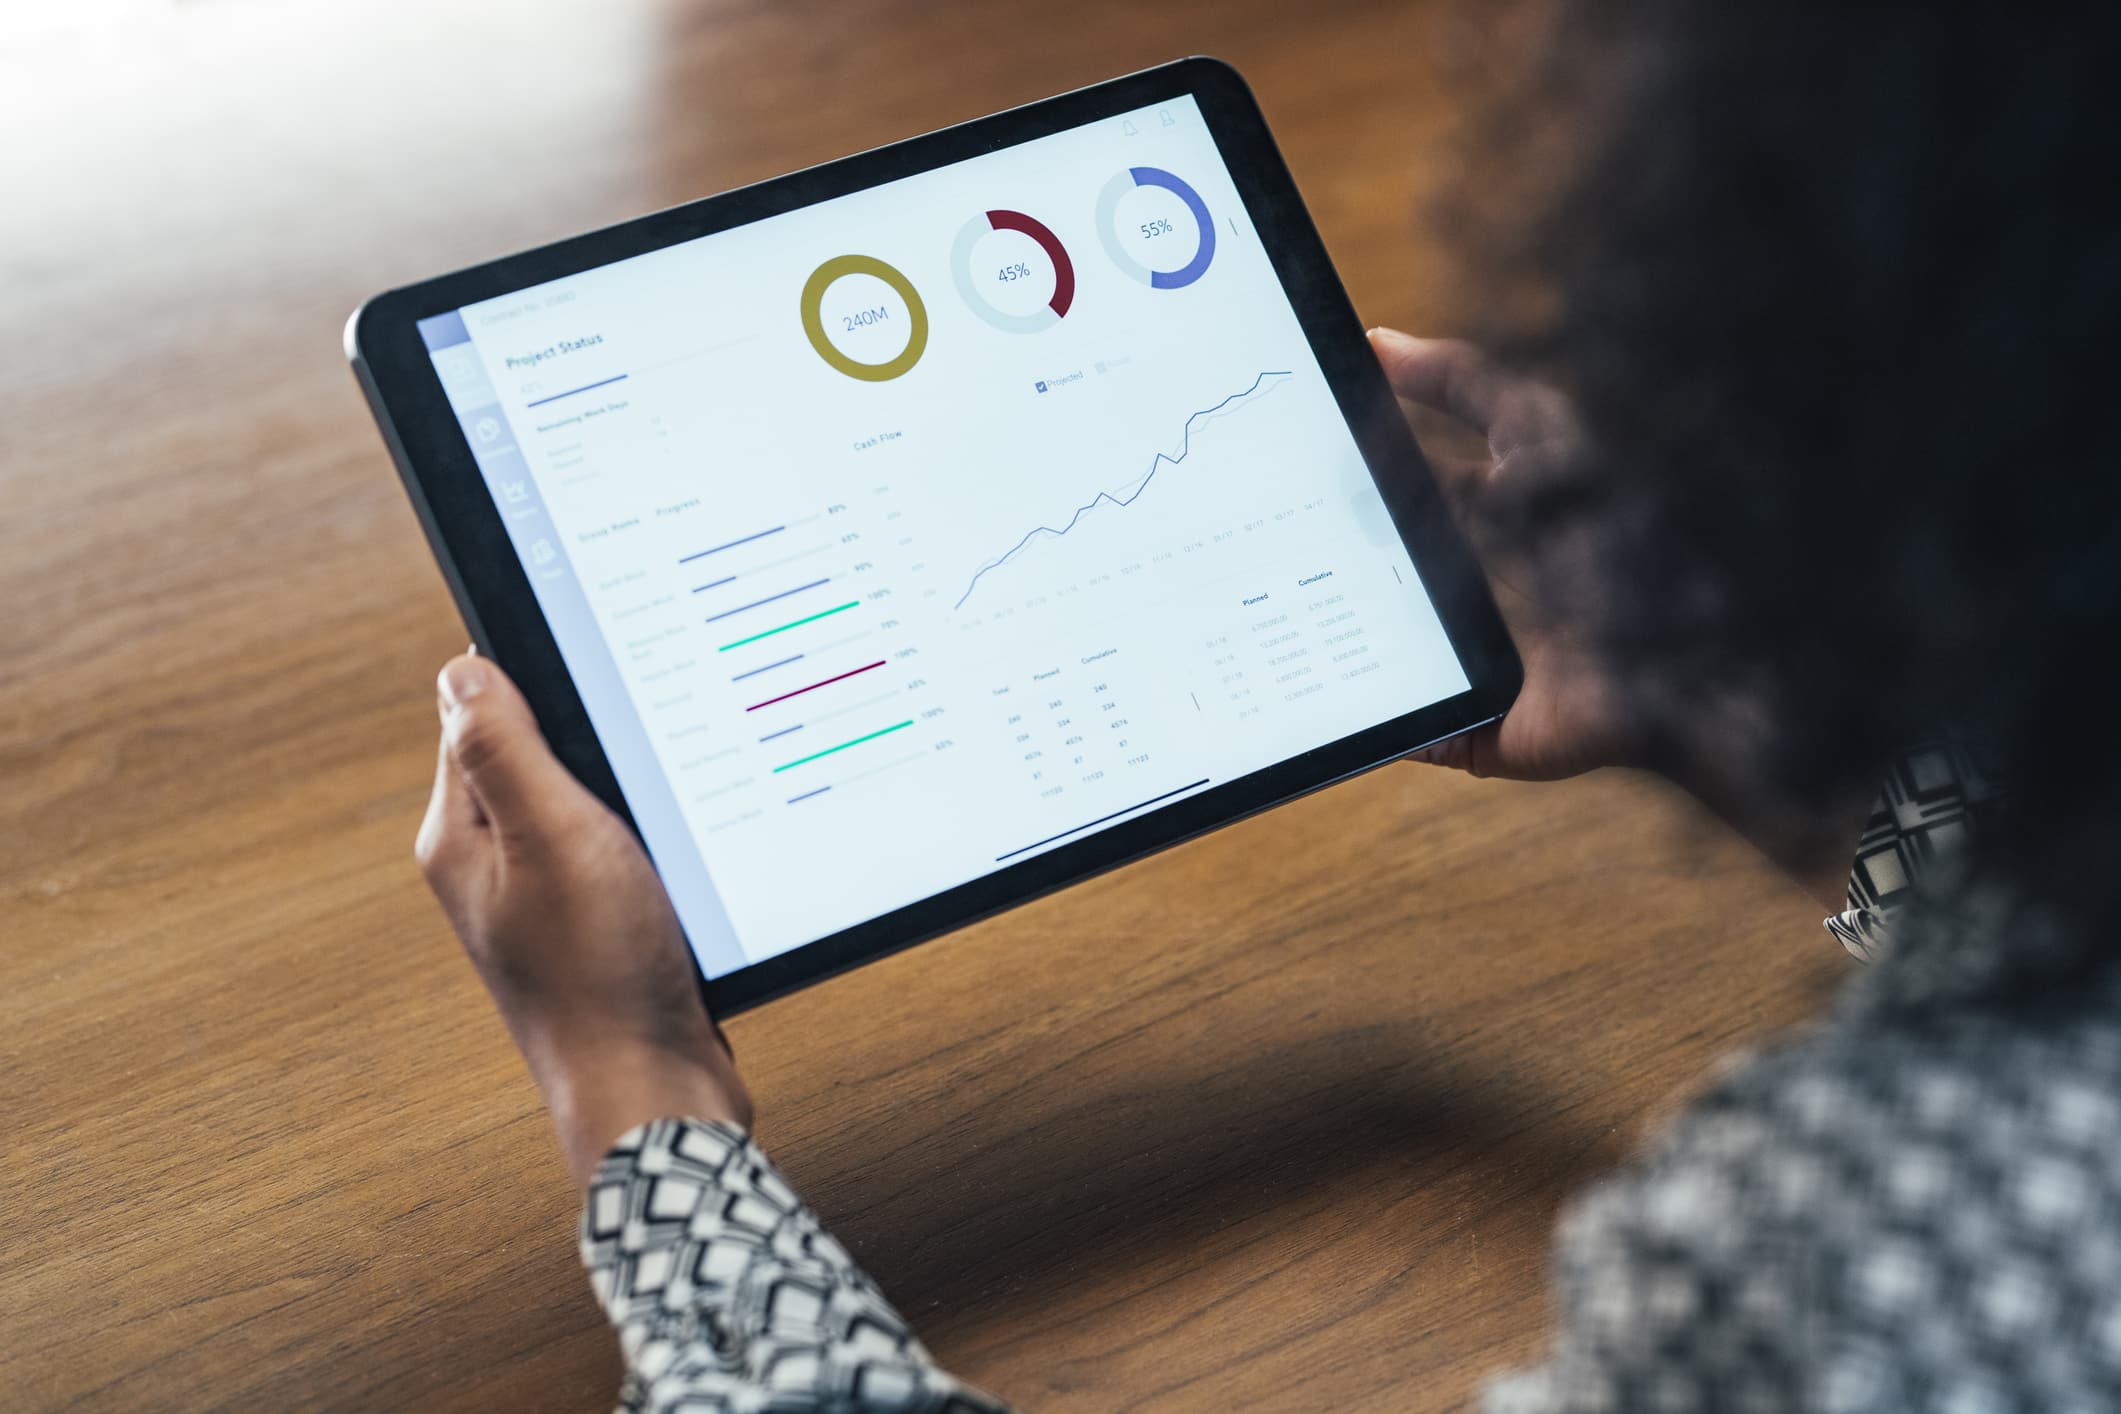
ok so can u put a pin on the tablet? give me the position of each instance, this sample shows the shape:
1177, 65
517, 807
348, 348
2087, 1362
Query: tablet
901, 539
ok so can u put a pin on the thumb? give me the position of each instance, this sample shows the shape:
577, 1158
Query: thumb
1448, 375
1472, 752
494, 740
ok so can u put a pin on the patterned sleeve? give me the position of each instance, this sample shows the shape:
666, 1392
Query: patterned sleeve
1674, 1290
1931, 804
728, 1295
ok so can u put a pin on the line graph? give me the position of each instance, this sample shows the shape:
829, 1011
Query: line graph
1162, 459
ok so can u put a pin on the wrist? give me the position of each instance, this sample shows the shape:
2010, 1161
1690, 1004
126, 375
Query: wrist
597, 1094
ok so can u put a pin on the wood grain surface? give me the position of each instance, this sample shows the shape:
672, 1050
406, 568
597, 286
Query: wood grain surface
1280, 1119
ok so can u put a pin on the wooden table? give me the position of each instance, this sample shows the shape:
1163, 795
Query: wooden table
1281, 1118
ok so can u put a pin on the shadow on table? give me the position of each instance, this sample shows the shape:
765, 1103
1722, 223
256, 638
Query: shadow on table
981, 1216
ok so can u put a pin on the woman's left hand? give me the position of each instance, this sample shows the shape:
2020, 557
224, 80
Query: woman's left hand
1567, 718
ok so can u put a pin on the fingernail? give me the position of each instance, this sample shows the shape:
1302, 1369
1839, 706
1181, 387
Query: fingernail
462, 679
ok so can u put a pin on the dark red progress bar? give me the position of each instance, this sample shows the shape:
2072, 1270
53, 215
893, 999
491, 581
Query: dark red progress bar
815, 686
1063, 268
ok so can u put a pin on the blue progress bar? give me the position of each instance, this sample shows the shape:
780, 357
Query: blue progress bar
726, 579
606, 382
767, 669
731, 545
782, 732
807, 794
768, 599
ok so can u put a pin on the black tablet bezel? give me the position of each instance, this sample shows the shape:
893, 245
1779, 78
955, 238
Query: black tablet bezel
465, 530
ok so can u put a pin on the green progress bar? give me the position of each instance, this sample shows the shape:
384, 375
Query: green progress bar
842, 746
785, 627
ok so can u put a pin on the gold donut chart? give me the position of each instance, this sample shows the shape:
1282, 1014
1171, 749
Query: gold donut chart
822, 278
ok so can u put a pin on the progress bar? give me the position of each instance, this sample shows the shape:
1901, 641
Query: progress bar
601, 383
830, 750
731, 545
807, 619
1102, 819
793, 658
798, 692
726, 613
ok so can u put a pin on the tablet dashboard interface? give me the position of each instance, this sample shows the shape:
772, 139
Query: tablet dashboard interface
909, 535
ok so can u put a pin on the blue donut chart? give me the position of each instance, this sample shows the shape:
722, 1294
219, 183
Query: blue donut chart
1108, 229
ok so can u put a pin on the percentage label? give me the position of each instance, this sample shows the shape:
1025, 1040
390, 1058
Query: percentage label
1159, 227
1016, 271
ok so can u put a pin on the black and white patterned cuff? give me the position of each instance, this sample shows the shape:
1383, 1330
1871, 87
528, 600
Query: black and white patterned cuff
1932, 802
728, 1295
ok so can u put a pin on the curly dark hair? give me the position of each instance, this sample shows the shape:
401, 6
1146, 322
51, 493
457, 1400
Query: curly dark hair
1837, 289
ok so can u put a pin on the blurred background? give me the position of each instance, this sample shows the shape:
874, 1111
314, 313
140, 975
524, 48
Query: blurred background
1287, 1110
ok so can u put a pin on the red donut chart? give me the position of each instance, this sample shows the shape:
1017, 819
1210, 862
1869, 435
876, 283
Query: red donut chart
971, 288
1063, 268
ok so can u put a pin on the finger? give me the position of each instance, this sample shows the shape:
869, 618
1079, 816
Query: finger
1460, 480
501, 757
1449, 375
449, 828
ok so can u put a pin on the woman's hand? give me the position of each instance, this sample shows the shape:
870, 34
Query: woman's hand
568, 926
1566, 719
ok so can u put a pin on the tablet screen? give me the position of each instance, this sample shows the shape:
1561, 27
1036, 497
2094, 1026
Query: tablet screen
901, 537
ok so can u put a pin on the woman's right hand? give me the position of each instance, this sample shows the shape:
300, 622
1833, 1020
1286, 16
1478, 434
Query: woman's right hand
1567, 718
